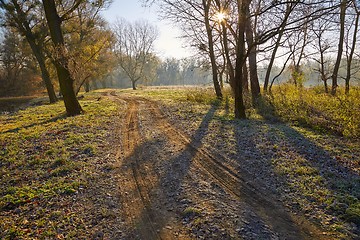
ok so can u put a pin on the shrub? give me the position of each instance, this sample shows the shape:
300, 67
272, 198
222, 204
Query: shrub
309, 106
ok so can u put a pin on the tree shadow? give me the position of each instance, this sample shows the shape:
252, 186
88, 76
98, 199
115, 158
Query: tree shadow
266, 109
311, 160
315, 155
174, 169
15, 104
227, 106
329, 167
266, 212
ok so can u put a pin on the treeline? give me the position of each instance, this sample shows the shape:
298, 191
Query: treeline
18, 71
170, 71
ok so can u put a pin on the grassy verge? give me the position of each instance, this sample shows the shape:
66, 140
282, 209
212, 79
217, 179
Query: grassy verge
306, 107
45, 161
313, 108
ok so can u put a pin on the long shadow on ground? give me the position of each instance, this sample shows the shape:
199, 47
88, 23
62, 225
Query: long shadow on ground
176, 170
296, 159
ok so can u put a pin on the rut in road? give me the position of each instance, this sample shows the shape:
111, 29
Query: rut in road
143, 214
145, 201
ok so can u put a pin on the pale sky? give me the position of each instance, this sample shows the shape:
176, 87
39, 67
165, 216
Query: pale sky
168, 43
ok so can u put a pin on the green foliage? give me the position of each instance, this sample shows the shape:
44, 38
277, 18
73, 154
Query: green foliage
352, 213
297, 78
191, 212
310, 107
203, 96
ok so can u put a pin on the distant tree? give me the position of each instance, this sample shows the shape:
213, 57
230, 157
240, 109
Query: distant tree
322, 46
134, 47
27, 19
19, 69
169, 72
11, 57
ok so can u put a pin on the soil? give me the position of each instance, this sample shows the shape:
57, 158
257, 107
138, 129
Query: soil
170, 184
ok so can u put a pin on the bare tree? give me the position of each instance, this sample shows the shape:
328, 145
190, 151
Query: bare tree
297, 44
206, 4
252, 56
266, 24
198, 24
322, 46
134, 46
237, 84
351, 45
289, 9
334, 76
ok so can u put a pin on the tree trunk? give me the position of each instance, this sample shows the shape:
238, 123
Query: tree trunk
87, 86
340, 47
61, 61
352, 50
229, 64
245, 80
254, 80
298, 73
326, 86
216, 83
281, 71
47, 81
133, 84
240, 60
221, 78
322, 66
277, 45
44, 71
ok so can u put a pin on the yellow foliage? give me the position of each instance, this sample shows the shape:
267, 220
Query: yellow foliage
338, 114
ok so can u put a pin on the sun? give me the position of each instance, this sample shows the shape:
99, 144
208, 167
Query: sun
220, 16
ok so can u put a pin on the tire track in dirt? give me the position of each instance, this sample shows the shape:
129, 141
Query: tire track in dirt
142, 210
145, 217
272, 212
138, 201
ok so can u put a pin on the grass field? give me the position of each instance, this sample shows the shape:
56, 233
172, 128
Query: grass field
47, 160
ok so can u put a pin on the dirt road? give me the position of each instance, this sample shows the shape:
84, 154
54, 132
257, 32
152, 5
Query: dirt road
173, 187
